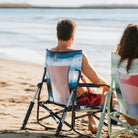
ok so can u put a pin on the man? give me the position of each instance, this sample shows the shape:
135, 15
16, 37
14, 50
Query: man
65, 36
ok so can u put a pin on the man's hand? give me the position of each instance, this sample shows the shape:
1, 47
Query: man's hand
105, 89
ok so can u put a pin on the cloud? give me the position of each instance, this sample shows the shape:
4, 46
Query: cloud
72, 2
12, 1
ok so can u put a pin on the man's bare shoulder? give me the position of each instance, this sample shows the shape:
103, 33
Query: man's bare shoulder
53, 49
84, 54
56, 49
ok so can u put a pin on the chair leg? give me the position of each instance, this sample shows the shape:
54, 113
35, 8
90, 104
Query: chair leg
109, 126
73, 120
102, 119
73, 116
61, 122
29, 110
100, 125
64, 114
27, 115
40, 87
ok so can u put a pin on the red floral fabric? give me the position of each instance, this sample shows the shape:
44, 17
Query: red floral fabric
89, 99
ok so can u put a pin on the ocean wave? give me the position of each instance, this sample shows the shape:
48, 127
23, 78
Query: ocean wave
22, 54
9, 33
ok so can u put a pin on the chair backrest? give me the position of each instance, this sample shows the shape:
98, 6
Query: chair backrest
62, 75
126, 86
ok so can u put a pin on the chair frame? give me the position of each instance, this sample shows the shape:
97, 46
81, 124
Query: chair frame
66, 108
113, 115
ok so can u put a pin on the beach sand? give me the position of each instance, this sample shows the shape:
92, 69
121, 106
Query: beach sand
18, 83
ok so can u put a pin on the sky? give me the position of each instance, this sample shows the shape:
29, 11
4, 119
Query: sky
72, 2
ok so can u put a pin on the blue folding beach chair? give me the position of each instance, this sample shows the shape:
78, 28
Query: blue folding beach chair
126, 87
61, 74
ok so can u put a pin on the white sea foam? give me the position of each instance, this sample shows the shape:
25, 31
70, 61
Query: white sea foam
20, 54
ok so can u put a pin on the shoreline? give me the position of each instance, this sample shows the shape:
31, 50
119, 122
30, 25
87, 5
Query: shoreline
106, 77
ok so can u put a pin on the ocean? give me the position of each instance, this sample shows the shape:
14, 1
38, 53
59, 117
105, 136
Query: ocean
26, 33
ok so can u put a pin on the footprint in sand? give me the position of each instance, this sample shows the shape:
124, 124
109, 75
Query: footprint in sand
31, 85
24, 83
21, 99
14, 100
29, 89
3, 84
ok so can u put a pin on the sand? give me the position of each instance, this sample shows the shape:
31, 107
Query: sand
18, 83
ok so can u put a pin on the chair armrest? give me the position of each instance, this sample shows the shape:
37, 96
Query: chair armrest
92, 85
107, 93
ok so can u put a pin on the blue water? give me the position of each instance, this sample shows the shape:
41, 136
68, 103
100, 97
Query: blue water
26, 33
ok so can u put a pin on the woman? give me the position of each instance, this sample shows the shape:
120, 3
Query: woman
127, 49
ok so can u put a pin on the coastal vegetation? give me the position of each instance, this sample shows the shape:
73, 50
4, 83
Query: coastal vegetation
25, 5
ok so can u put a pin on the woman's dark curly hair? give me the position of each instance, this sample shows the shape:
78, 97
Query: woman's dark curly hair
128, 46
